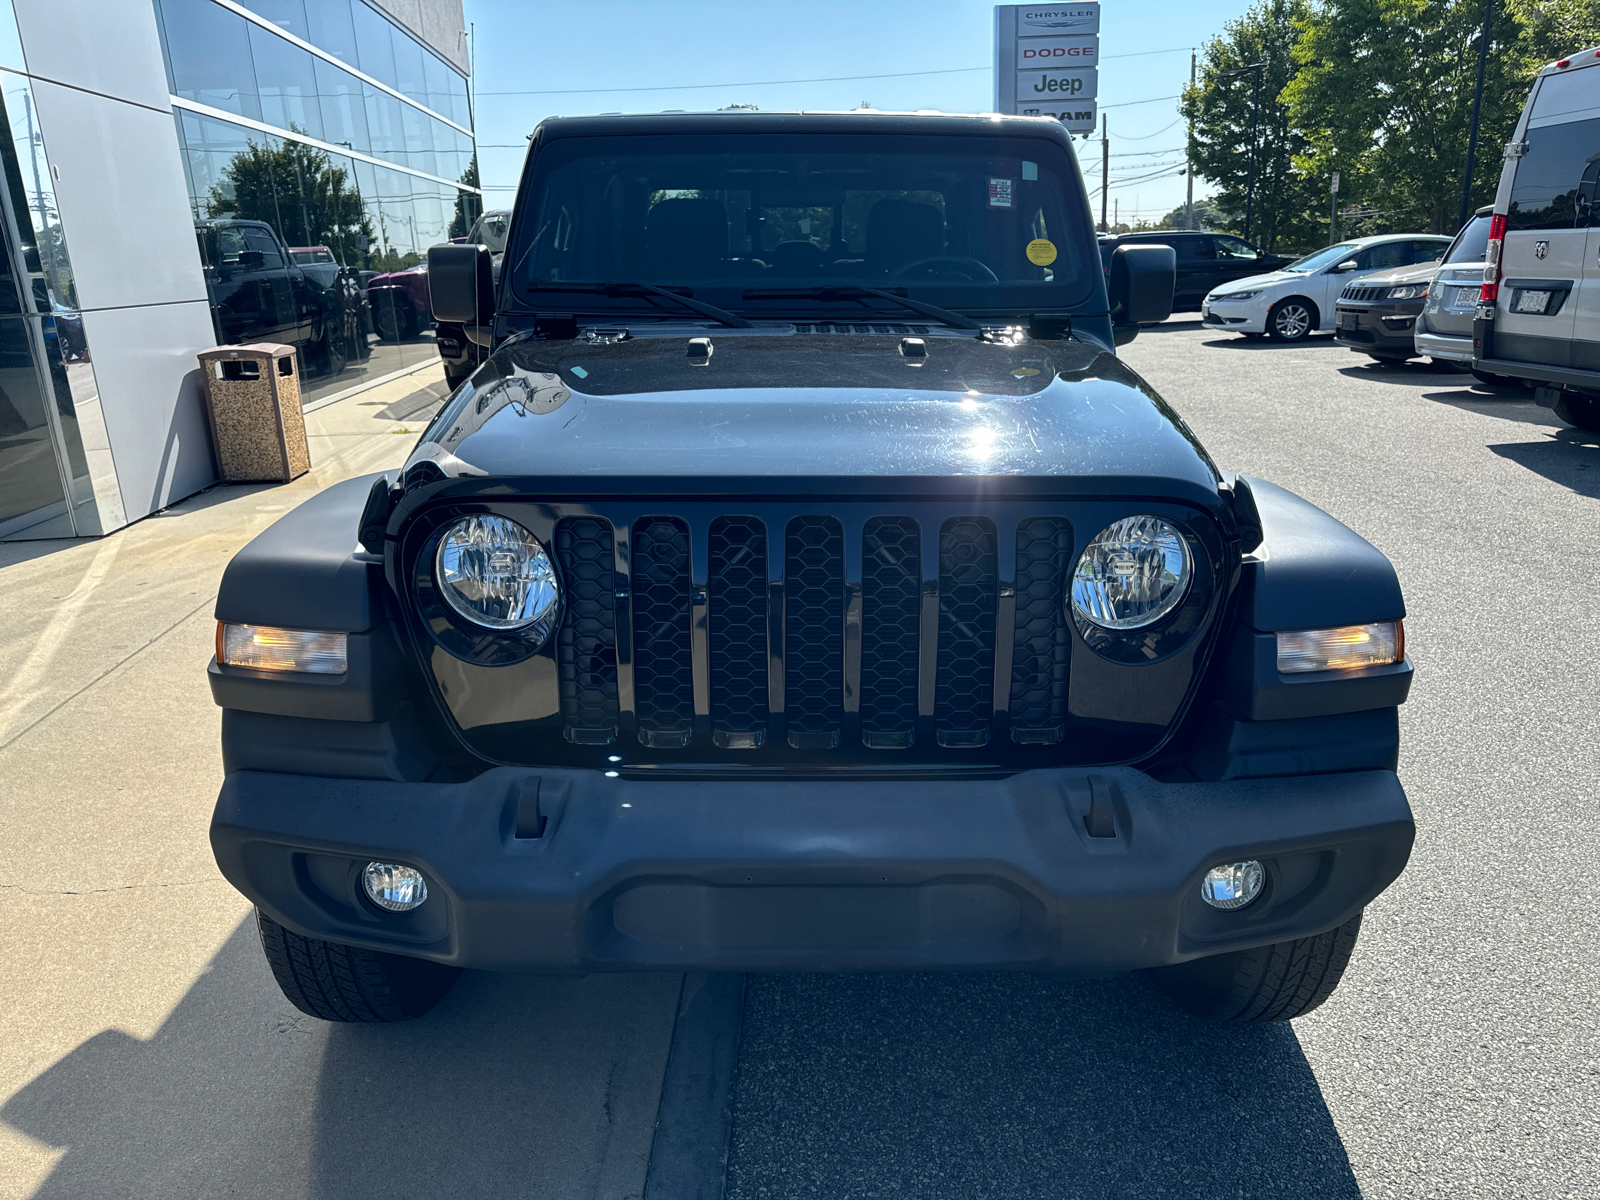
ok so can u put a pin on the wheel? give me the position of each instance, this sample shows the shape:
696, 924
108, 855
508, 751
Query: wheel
1291, 320
1582, 411
1499, 381
333, 355
393, 322
333, 982
1270, 983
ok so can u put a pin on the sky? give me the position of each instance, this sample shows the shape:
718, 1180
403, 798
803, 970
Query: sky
539, 58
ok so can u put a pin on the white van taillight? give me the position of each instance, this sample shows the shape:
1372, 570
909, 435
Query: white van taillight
1491, 273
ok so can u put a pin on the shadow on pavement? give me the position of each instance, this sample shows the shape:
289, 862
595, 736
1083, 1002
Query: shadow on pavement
1507, 406
512, 1086
1237, 341
1570, 457
1017, 1086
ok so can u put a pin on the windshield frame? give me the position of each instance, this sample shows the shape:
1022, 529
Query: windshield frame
518, 294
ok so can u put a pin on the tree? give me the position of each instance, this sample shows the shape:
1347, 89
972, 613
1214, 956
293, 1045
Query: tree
1383, 94
1553, 29
469, 205
1208, 214
1220, 111
297, 190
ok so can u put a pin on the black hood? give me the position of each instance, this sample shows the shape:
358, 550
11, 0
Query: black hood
776, 403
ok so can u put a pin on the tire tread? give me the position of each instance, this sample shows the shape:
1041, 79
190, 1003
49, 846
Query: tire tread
334, 982
1278, 982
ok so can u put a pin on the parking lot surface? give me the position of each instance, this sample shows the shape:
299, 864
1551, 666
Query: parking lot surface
1461, 1055
144, 1051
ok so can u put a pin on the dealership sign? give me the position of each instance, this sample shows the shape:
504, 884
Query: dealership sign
1046, 59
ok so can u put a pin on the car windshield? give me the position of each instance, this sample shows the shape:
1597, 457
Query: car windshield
1323, 258
759, 222
491, 231
1472, 243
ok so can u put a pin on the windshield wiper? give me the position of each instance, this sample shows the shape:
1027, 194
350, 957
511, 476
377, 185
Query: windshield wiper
622, 289
855, 291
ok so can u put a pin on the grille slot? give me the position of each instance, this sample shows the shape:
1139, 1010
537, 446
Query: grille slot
880, 327
1041, 648
891, 587
814, 632
968, 589
663, 659
737, 619
586, 648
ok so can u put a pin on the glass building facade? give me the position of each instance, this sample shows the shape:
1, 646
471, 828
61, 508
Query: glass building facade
325, 150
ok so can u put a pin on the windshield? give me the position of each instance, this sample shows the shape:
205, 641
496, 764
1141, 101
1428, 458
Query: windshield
1323, 258
491, 231
965, 221
1472, 243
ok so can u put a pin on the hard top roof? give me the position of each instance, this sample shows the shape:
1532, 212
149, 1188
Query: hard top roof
847, 121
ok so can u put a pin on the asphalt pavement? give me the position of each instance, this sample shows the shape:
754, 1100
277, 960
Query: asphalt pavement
1460, 1057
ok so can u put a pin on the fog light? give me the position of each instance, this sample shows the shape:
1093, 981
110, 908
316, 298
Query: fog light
393, 887
268, 648
1231, 885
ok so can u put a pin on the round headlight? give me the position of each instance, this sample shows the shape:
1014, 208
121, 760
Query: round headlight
1136, 571
495, 574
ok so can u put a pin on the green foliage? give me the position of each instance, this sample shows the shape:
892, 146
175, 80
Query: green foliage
297, 190
1384, 95
1553, 29
1220, 108
1208, 215
468, 204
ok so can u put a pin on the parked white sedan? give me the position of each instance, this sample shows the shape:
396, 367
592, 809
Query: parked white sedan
1293, 303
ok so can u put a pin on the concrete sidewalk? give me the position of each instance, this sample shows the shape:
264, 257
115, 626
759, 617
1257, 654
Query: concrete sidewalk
144, 1049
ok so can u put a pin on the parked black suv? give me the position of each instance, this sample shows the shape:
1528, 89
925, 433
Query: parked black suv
259, 292
803, 583
1205, 260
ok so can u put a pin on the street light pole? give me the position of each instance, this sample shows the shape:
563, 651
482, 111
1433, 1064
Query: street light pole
1472, 130
1188, 201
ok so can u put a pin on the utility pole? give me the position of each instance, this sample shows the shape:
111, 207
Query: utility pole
1333, 206
1472, 130
1105, 172
1116, 213
1188, 202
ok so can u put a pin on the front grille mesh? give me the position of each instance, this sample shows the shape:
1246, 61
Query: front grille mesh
968, 578
775, 602
663, 657
813, 631
737, 619
586, 650
1041, 646
891, 588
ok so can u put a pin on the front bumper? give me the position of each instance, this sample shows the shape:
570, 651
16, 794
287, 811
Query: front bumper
645, 874
1248, 317
1377, 327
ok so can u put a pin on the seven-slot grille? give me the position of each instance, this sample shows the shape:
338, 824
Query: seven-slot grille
813, 631
1357, 292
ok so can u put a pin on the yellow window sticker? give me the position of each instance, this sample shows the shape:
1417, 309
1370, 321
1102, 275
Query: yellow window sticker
1041, 252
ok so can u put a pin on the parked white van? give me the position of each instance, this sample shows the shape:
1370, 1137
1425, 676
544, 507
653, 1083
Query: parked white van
1538, 315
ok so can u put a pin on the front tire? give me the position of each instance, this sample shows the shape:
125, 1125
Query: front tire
1292, 320
1270, 983
333, 982
1581, 411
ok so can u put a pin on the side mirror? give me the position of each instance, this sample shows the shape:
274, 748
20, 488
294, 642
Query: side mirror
1140, 284
461, 286
1348, 264
252, 260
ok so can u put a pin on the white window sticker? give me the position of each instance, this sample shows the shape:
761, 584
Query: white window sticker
1000, 193
1030, 170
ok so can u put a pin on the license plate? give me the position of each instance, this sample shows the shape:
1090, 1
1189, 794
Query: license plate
1349, 320
1531, 302
1466, 297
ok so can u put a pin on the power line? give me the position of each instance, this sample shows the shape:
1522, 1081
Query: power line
690, 87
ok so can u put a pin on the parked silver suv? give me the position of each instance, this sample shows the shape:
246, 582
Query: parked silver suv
1444, 329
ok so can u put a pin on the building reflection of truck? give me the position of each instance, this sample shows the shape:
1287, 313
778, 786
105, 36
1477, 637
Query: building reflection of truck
262, 292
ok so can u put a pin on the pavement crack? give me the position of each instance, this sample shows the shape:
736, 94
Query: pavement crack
124, 887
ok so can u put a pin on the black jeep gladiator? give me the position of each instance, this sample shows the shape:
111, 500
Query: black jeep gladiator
802, 583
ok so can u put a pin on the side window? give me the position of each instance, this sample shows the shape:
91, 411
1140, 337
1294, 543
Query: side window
1544, 191
1233, 249
1385, 255
230, 244
262, 241
1199, 249
1427, 252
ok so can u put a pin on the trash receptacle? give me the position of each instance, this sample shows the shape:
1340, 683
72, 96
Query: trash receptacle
257, 428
